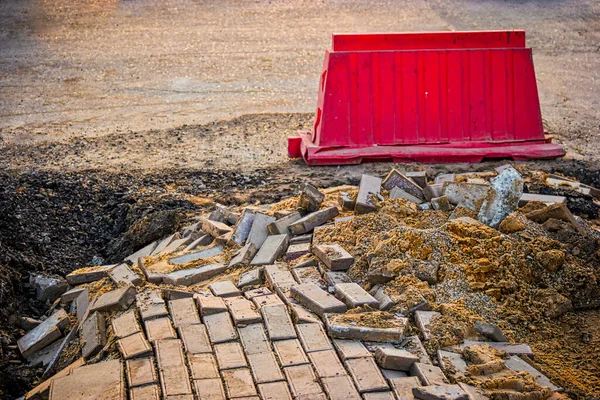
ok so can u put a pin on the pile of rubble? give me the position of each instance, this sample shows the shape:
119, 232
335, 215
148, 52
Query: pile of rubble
399, 288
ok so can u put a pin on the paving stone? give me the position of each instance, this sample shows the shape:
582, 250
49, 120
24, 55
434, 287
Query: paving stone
203, 366
316, 299
243, 256
254, 339
44, 356
313, 337
473, 392
440, 392
274, 391
280, 226
440, 203
402, 387
203, 239
341, 330
491, 331
209, 389
89, 274
150, 304
428, 374
238, 383
391, 374
183, 312
284, 291
149, 392
209, 305
272, 248
175, 244
345, 201
267, 300
450, 361
242, 310
307, 238
174, 378
115, 300
423, 320
384, 300
309, 275
164, 243
93, 334
243, 227
134, 346
259, 232
310, 198
48, 288
143, 252
302, 381
348, 349
432, 191
230, 355
159, 328
366, 374
396, 359
125, 324
181, 397
379, 396
297, 250
290, 353
516, 363
418, 177
469, 195
42, 390
278, 322
260, 291
71, 295
336, 277
224, 289
301, 314
102, 380
277, 274
219, 327
195, 339
225, 215
415, 346
334, 256
250, 278
396, 179
397, 193
312, 220
326, 364
198, 255
369, 186
355, 296
514, 349
44, 334
264, 367
140, 371
215, 228
340, 387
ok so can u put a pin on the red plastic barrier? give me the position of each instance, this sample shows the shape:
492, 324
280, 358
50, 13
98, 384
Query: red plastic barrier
429, 97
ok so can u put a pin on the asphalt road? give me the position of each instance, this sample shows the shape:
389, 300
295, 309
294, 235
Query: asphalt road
86, 68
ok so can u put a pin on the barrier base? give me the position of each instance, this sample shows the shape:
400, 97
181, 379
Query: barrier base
471, 152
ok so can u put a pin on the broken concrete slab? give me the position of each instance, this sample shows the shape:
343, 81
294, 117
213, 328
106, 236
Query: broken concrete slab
43, 357
343, 330
44, 334
366, 375
48, 288
273, 247
297, 250
311, 221
310, 198
384, 300
122, 274
195, 339
250, 278
491, 331
134, 346
440, 203
89, 274
346, 202
280, 226
316, 299
396, 179
126, 324
369, 186
103, 380
516, 363
334, 256
440, 392
243, 256
192, 276
353, 295
423, 320
224, 289
396, 359
115, 300
397, 193
259, 232
428, 374
215, 228
469, 195
199, 255
502, 198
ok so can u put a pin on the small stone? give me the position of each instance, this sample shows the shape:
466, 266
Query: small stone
310, 198
551, 260
346, 202
491, 331
334, 256
440, 392
309, 222
440, 203
224, 289
115, 300
396, 359
369, 185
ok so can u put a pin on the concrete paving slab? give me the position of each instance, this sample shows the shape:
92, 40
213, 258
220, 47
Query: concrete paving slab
93, 335
210, 389
264, 367
423, 320
243, 227
238, 383
290, 352
340, 388
116, 300
316, 299
203, 366
259, 232
396, 359
326, 364
243, 256
224, 289
230, 355
44, 334
208, 305
302, 381
219, 327
313, 337
102, 380
254, 339
198, 255
267, 300
402, 387
249, 278
195, 339
88, 275
134, 346
174, 378
438, 392
122, 274
159, 328
150, 392
297, 250
334, 256
272, 248
366, 375
140, 371
274, 391
428, 374
183, 312
353, 295
312, 220
278, 322
126, 324
242, 310
280, 226
369, 186
278, 274
348, 349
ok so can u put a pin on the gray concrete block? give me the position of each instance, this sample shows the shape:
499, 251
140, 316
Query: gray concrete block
122, 274
115, 300
428, 374
369, 186
491, 331
249, 278
311, 221
93, 335
316, 299
243, 256
280, 226
346, 202
224, 288
191, 276
334, 256
272, 248
243, 227
48, 288
423, 320
397, 193
399, 180
87, 275
310, 198
440, 392
353, 295
396, 359
259, 232
199, 255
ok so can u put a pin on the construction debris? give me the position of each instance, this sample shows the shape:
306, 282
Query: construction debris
292, 306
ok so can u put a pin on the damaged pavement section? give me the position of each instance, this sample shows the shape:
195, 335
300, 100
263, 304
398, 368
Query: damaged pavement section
407, 286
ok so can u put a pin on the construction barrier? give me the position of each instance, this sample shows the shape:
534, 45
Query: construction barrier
426, 97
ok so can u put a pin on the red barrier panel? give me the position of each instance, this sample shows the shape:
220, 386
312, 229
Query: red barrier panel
452, 100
